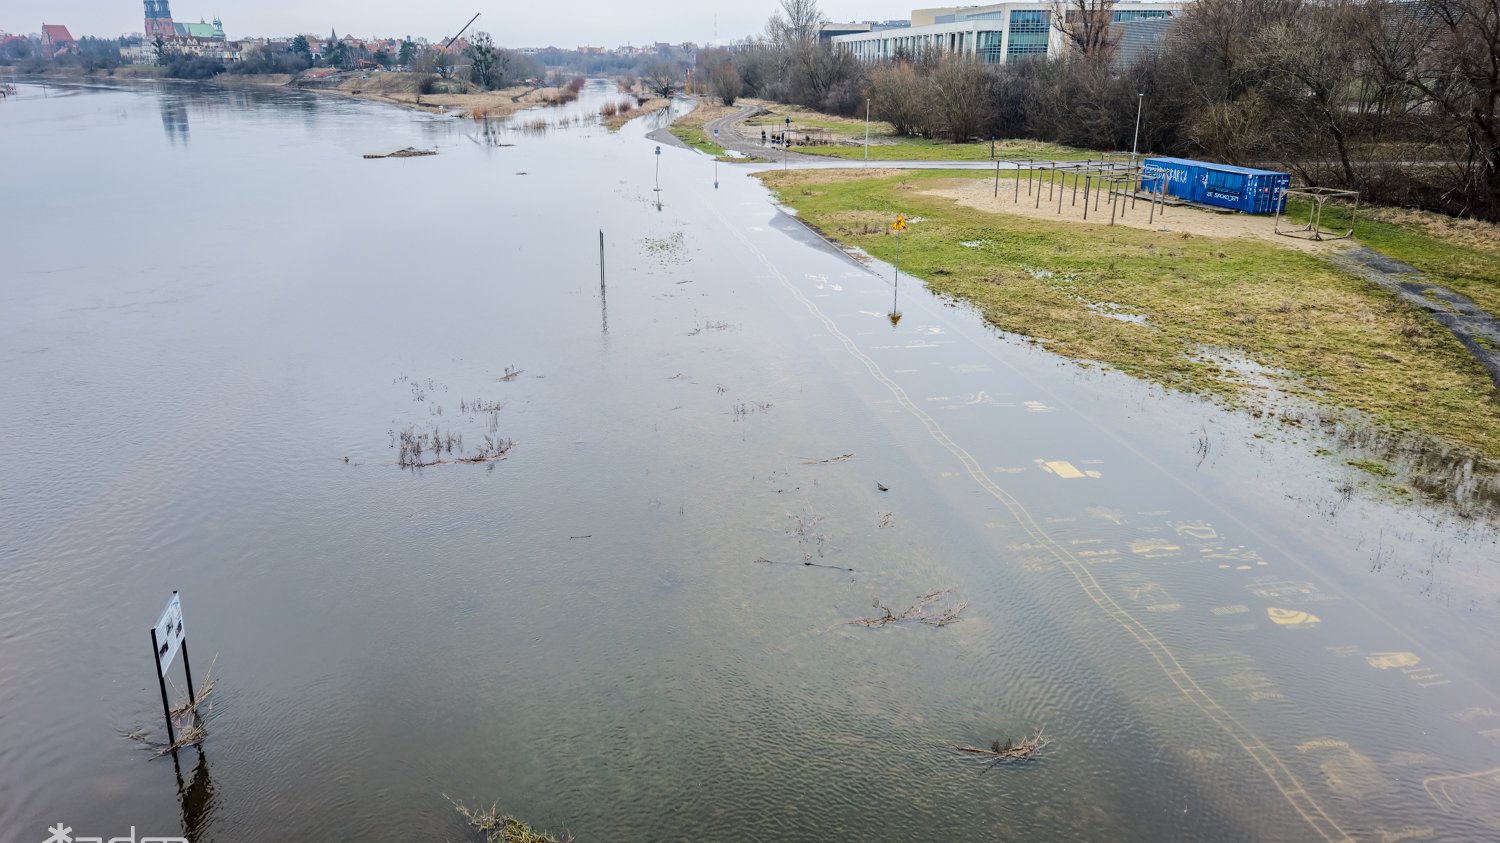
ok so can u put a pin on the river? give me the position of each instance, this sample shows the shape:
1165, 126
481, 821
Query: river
217, 320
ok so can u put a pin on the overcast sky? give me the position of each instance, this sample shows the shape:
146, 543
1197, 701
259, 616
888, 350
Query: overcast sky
532, 24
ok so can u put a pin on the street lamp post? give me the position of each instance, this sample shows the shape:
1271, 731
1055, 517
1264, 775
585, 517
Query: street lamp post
867, 131
658, 178
716, 162
786, 143
1140, 100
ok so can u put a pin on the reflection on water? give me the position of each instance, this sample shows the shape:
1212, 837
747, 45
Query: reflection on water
587, 631
195, 796
174, 119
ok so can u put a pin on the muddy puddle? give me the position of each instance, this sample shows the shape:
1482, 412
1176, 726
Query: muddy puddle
657, 617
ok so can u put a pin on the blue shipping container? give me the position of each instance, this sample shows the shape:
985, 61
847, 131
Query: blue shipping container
1224, 185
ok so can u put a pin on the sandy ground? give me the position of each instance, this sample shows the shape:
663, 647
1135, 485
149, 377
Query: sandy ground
487, 104
253, 80
980, 195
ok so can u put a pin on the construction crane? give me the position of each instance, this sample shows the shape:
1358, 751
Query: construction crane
449, 42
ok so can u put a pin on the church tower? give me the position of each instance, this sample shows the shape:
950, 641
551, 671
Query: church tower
159, 20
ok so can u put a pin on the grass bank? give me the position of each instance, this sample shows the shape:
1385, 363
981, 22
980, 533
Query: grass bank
690, 128
885, 145
695, 137
900, 148
1177, 309
1457, 253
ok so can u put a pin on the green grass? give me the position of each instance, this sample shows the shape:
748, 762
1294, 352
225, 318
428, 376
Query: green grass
803, 119
1379, 469
1340, 340
885, 145
896, 148
695, 137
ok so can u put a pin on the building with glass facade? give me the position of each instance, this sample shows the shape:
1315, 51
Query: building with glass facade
997, 33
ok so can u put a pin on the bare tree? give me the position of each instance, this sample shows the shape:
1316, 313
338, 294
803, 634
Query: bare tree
715, 66
897, 96
660, 77
724, 81
1457, 74
958, 90
483, 61
797, 24
824, 77
1307, 67
1087, 25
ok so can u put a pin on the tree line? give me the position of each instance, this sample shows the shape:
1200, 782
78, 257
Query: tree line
1399, 99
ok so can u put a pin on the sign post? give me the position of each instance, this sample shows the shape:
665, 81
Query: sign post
167, 637
899, 225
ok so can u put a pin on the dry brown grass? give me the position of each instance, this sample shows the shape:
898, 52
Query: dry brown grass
502, 828
707, 109
1469, 233
200, 703
625, 116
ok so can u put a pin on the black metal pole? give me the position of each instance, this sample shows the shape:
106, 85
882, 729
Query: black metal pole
161, 680
187, 670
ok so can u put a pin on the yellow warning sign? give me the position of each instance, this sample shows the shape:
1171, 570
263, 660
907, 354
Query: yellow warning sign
900, 223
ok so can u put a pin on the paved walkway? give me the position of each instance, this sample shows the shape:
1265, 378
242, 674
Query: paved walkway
1476, 328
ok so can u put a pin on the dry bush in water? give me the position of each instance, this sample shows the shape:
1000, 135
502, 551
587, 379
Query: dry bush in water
1012, 750
502, 828
190, 719
946, 613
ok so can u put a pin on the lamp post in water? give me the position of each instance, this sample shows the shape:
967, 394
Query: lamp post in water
716, 161
658, 177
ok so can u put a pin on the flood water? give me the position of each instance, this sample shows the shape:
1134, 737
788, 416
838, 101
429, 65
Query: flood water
217, 319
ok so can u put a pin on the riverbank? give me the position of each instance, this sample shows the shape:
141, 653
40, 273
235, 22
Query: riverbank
403, 90
642, 107
1243, 319
832, 136
692, 128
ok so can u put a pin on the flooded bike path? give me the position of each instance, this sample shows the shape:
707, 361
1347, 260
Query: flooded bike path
1360, 727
